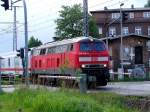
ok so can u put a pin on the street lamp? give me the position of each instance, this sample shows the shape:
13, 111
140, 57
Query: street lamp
121, 32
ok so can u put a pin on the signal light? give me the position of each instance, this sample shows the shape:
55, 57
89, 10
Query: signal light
20, 53
5, 4
124, 16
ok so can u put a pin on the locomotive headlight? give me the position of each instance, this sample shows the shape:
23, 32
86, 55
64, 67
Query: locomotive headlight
83, 66
105, 65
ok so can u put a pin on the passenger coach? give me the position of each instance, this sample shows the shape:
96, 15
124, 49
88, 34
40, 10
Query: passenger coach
72, 56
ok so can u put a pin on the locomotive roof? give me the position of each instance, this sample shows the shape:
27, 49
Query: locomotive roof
65, 41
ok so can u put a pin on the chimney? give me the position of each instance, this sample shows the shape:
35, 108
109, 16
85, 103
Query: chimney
105, 8
132, 6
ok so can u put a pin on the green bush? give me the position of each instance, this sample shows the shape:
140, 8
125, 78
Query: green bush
27, 100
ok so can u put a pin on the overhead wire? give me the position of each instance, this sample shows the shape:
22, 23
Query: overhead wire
47, 20
92, 6
99, 4
117, 3
7, 30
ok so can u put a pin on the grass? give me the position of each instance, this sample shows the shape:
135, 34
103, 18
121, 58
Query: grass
27, 100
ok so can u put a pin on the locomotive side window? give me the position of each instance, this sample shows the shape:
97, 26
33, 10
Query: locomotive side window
42, 51
92, 46
35, 52
64, 48
70, 47
60, 49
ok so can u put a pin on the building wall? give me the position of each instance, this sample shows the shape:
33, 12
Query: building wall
104, 17
130, 42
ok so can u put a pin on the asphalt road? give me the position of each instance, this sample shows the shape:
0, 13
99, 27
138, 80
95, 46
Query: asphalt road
127, 88
123, 88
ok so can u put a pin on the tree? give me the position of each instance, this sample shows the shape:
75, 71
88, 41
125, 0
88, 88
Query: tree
70, 23
148, 4
33, 42
93, 28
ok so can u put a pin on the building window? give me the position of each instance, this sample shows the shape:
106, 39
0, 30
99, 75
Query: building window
115, 15
131, 15
138, 30
100, 30
125, 31
112, 31
149, 30
146, 14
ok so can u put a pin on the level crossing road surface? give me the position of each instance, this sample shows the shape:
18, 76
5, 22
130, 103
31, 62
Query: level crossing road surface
127, 88
8, 88
123, 88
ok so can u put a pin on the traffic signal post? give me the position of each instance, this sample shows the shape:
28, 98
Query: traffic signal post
5, 4
121, 41
21, 55
26, 42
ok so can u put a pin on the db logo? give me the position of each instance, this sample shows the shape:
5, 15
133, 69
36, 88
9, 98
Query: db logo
94, 58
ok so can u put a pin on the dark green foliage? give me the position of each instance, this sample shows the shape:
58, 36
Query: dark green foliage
70, 23
148, 4
34, 42
93, 29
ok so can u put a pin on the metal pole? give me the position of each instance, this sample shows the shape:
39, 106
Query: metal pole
15, 31
26, 43
107, 34
82, 84
85, 19
121, 44
0, 75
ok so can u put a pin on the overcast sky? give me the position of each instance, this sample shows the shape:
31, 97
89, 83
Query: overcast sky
41, 16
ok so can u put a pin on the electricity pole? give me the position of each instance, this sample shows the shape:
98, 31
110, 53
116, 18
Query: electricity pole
85, 19
15, 31
121, 44
26, 43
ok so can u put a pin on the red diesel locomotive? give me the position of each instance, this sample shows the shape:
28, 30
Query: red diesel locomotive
71, 56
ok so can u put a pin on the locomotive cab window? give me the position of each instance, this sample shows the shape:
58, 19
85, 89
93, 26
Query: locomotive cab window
99, 46
92, 46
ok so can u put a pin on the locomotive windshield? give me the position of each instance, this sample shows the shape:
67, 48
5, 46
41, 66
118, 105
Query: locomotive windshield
92, 46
